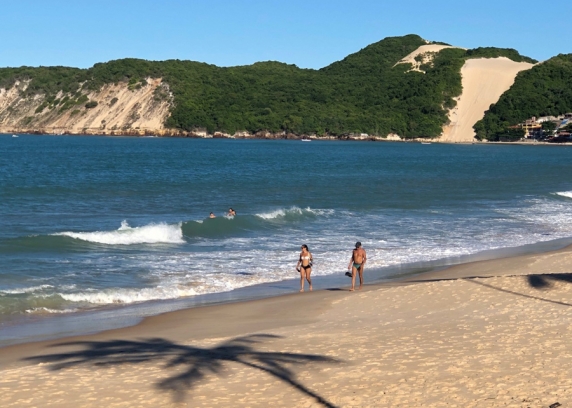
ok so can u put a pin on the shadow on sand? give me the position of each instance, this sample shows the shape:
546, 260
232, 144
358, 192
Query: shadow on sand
541, 282
196, 362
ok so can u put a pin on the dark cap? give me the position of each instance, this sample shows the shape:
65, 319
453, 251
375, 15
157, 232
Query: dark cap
358, 244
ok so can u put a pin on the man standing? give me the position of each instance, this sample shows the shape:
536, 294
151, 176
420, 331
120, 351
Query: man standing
357, 263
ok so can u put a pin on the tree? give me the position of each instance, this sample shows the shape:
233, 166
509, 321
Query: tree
548, 128
512, 134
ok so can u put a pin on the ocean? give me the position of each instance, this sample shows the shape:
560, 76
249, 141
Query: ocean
110, 226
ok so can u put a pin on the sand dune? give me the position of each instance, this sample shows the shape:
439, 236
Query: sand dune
427, 51
484, 81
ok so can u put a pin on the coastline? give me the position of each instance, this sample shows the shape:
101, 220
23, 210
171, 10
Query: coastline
445, 336
33, 328
283, 136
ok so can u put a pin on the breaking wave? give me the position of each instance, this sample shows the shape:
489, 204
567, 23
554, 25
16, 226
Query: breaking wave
126, 235
126, 296
21, 291
294, 213
567, 194
46, 310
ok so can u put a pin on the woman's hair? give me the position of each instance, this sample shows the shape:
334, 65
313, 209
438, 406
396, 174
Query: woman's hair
305, 246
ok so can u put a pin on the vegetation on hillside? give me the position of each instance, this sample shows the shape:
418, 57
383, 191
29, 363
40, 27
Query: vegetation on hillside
492, 52
366, 92
543, 90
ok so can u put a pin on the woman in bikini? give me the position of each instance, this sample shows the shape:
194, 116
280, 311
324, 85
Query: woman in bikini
304, 266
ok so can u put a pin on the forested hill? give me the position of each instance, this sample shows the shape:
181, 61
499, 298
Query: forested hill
544, 90
366, 92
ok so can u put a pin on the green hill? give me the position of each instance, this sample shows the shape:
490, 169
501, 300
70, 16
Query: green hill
541, 91
366, 92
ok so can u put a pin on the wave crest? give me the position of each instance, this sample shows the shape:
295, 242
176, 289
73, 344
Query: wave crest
21, 291
126, 296
47, 310
293, 212
567, 194
126, 235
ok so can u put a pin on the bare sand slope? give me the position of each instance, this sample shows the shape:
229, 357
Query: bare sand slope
484, 81
427, 52
499, 341
118, 108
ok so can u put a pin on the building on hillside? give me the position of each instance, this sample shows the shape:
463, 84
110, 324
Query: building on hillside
561, 137
532, 129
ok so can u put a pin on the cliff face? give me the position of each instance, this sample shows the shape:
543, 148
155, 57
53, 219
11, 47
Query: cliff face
120, 109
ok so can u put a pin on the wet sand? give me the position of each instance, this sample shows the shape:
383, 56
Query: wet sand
483, 334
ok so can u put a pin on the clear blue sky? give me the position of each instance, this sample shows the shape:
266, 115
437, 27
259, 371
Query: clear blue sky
308, 33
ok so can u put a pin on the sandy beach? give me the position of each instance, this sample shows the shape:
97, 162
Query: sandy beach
484, 334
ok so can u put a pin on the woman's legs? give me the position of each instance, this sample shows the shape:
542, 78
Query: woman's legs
308, 272
305, 274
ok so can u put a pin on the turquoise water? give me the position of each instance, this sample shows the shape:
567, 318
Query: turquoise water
92, 222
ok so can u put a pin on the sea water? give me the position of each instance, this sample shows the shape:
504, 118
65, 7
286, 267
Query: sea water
93, 223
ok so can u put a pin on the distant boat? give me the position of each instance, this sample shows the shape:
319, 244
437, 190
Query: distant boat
15, 136
306, 140
425, 142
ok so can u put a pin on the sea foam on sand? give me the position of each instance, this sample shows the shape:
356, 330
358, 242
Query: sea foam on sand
451, 340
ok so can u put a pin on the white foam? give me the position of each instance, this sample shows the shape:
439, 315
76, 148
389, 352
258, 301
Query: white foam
126, 296
42, 310
567, 194
20, 291
126, 235
282, 212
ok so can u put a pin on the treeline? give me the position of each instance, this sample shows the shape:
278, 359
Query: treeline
366, 92
544, 90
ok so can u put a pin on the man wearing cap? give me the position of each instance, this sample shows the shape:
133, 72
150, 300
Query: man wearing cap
357, 262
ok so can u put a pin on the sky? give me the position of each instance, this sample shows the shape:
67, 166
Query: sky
308, 33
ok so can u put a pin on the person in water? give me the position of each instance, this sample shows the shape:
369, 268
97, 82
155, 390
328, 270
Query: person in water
231, 212
304, 266
211, 215
357, 263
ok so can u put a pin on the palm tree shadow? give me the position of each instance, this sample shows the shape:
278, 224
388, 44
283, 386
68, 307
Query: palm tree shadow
540, 282
543, 281
196, 362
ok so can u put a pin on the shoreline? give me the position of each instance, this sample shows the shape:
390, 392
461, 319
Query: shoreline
129, 317
446, 339
269, 136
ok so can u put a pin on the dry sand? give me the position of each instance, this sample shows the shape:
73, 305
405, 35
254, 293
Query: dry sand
447, 339
484, 80
427, 51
